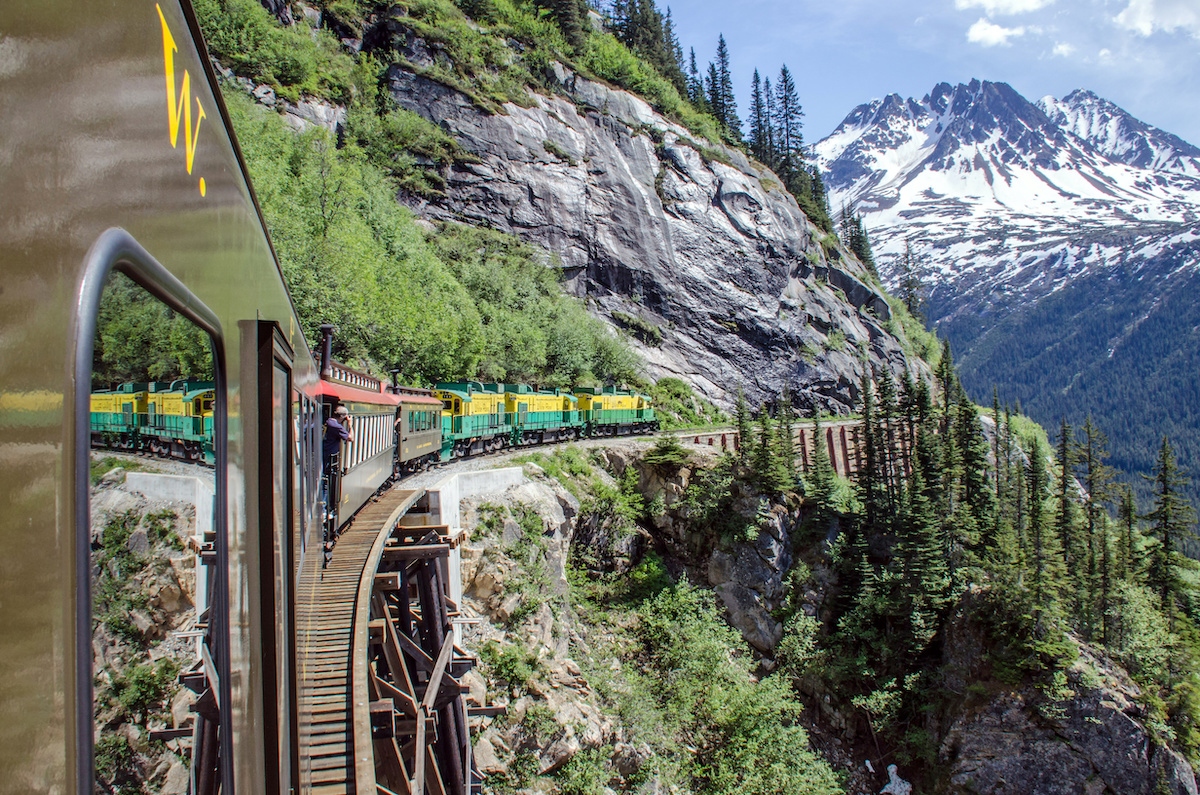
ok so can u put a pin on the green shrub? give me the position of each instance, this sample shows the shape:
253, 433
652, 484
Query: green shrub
512, 665
296, 61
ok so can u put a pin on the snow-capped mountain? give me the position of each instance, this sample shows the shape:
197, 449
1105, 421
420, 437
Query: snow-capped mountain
1119, 136
1060, 242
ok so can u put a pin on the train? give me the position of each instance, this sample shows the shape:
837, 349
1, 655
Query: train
119, 165
431, 426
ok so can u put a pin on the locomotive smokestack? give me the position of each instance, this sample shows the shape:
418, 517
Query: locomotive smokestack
326, 350
395, 371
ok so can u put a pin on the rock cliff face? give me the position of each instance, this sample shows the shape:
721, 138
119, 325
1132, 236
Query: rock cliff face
654, 228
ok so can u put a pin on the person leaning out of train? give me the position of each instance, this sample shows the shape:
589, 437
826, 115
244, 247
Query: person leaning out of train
337, 430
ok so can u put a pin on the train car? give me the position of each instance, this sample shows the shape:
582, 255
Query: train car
418, 430
116, 416
609, 411
361, 465
119, 167
541, 416
179, 421
474, 418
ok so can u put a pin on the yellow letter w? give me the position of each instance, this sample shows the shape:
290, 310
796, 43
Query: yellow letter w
182, 107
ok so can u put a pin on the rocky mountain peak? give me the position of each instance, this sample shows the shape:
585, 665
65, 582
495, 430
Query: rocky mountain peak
1052, 236
1120, 136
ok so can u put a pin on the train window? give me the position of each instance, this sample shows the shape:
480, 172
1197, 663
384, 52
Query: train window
150, 628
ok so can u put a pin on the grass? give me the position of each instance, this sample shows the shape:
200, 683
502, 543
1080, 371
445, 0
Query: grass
915, 339
99, 467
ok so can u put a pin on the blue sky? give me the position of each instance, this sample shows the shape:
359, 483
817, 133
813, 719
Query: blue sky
1144, 55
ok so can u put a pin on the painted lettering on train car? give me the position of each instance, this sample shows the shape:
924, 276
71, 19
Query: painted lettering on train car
179, 102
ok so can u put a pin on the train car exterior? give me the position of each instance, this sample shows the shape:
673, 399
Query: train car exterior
541, 416
118, 159
474, 418
367, 461
608, 411
418, 430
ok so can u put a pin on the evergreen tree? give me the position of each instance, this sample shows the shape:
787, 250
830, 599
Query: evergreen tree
695, 84
1098, 480
789, 142
854, 234
977, 495
1064, 518
570, 16
712, 93
785, 426
1171, 522
1045, 555
868, 475
765, 452
759, 123
910, 287
1129, 564
891, 469
771, 152
718, 86
745, 438
821, 480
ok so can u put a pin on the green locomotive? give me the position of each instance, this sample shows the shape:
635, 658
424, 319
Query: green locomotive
166, 418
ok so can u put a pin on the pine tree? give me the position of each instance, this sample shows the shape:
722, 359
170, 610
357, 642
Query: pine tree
890, 466
787, 125
821, 480
977, 494
745, 439
712, 93
695, 84
729, 115
868, 476
1064, 517
570, 16
910, 287
1171, 522
759, 122
765, 452
1129, 564
1098, 480
1045, 556
771, 160
787, 439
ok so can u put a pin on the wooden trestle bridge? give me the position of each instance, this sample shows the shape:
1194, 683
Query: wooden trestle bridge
380, 701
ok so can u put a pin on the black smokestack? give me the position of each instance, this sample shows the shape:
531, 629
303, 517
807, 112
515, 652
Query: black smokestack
326, 350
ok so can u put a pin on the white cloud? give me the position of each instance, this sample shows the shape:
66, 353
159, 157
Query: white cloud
1063, 49
996, 7
1147, 16
1104, 54
990, 34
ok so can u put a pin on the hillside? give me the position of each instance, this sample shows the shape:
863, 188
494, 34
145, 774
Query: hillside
711, 273
510, 190
1057, 241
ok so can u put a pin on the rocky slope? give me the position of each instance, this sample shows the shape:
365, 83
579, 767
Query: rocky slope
144, 590
555, 668
657, 230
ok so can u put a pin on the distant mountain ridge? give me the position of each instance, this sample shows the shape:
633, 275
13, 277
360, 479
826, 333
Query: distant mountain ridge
1059, 240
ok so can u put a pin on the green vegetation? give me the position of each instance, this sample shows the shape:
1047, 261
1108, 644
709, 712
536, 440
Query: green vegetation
915, 339
138, 337
296, 61
677, 406
686, 692
457, 304
647, 332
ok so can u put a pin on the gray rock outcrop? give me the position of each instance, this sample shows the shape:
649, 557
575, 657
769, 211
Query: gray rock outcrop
646, 222
1094, 740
